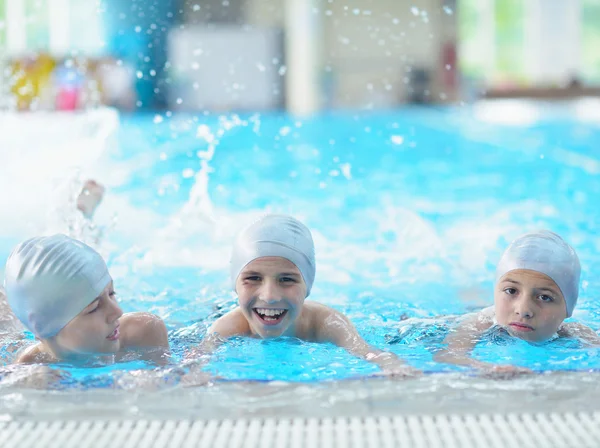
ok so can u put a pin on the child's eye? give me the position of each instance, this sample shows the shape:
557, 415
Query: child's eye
112, 295
94, 310
510, 291
253, 278
545, 298
287, 280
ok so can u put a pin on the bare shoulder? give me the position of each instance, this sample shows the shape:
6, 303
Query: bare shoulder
318, 314
322, 323
471, 326
479, 321
580, 331
234, 323
34, 355
143, 330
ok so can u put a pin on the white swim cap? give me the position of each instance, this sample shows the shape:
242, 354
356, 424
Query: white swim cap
548, 253
275, 236
50, 280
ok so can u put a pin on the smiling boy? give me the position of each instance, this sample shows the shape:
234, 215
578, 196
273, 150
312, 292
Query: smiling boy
272, 272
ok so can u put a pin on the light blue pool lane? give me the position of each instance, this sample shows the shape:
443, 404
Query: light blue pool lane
411, 210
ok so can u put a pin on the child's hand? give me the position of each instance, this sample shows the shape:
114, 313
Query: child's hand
401, 372
36, 376
505, 371
89, 197
195, 377
194, 374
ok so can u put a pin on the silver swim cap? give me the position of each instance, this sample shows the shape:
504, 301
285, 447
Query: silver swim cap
275, 236
50, 280
548, 253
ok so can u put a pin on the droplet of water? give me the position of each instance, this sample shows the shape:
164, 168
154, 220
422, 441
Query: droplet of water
448, 10
138, 29
187, 173
397, 139
346, 168
158, 119
284, 131
203, 131
139, 74
414, 10
282, 70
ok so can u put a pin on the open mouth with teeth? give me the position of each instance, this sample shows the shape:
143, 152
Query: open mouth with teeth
270, 316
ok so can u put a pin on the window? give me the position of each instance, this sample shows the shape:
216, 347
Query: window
529, 42
590, 37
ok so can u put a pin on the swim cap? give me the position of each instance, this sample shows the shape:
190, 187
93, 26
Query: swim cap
548, 253
50, 280
275, 236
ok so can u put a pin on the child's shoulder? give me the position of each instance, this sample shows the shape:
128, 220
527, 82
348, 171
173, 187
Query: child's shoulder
33, 355
579, 331
480, 320
142, 329
318, 319
317, 312
234, 323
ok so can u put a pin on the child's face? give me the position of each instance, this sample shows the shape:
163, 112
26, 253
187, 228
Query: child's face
95, 330
271, 292
529, 305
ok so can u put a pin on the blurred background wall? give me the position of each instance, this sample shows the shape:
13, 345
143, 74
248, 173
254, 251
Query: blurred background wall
300, 55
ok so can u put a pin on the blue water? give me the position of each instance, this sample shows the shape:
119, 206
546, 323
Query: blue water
410, 211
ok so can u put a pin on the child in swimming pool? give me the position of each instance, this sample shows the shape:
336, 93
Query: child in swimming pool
60, 289
272, 271
537, 285
87, 201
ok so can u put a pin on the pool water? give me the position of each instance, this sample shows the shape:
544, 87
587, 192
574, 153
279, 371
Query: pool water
410, 210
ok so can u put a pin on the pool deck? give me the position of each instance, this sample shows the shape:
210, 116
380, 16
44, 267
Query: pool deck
554, 410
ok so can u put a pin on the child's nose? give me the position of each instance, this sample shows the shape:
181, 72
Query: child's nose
270, 292
523, 309
114, 312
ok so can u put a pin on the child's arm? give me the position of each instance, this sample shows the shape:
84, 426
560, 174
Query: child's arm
336, 328
35, 376
462, 341
231, 324
147, 331
581, 332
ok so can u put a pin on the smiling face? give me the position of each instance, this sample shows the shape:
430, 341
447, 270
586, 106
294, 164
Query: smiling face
271, 292
529, 305
94, 330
